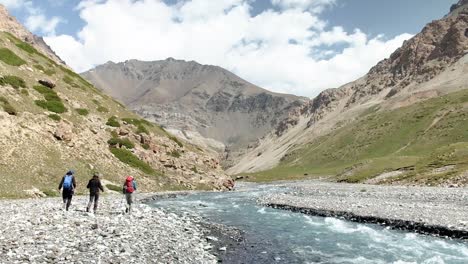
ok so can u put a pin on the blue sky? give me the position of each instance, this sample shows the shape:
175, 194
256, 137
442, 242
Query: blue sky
318, 43
372, 16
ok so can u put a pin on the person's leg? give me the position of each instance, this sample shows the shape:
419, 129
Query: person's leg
64, 198
128, 197
91, 198
96, 199
70, 196
130, 201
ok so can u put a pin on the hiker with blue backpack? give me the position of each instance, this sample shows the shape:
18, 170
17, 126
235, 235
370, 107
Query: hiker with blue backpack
68, 184
129, 188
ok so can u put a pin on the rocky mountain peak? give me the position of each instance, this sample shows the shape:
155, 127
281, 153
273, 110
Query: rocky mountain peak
440, 44
195, 99
461, 3
11, 25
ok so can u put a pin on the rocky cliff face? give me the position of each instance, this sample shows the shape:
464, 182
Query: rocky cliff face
439, 45
187, 96
431, 64
52, 120
10, 24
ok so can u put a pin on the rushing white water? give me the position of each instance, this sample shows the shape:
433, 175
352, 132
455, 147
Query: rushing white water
286, 237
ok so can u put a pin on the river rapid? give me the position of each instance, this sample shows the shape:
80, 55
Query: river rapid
278, 236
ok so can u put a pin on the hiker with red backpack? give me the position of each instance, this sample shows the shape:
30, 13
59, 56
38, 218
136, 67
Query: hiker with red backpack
129, 188
68, 184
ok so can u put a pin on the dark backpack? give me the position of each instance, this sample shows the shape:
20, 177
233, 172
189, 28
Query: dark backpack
68, 182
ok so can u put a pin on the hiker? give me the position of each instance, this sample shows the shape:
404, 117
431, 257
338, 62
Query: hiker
68, 184
128, 188
94, 186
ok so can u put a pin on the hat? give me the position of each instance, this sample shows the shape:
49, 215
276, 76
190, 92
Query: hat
70, 172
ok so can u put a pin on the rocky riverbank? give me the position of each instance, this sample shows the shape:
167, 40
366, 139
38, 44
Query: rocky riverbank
38, 231
435, 211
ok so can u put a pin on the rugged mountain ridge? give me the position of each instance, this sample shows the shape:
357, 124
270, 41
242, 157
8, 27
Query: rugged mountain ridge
431, 65
440, 44
51, 120
193, 99
10, 24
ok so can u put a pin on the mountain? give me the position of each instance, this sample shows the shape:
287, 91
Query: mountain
405, 121
10, 24
203, 103
52, 120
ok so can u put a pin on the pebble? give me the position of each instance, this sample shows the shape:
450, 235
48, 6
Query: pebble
47, 234
431, 206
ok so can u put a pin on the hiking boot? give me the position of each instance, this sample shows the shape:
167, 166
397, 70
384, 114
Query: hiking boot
87, 209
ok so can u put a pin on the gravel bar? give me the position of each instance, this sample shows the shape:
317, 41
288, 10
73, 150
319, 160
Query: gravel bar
39, 231
426, 210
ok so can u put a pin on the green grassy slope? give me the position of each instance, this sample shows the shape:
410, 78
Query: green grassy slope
416, 139
32, 157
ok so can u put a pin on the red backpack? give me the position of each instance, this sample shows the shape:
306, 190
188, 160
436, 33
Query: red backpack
129, 185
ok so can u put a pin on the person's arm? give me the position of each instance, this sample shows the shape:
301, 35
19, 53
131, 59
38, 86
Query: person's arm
61, 183
74, 182
100, 186
134, 185
124, 188
89, 184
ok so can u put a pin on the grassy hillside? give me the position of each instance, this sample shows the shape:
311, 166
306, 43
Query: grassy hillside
426, 143
46, 131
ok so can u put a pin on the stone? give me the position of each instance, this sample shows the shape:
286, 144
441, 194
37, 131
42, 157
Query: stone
47, 83
63, 132
35, 193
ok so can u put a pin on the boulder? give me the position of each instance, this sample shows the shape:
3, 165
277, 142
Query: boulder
229, 184
63, 132
35, 193
123, 131
47, 83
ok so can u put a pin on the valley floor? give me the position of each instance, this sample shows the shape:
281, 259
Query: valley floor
38, 231
427, 210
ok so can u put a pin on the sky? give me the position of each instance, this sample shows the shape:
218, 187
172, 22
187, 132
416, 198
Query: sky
290, 46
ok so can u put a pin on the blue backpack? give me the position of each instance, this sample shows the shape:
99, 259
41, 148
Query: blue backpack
68, 182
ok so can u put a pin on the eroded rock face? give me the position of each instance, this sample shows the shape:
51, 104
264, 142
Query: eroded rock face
440, 44
458, 5
186, 168
11, 25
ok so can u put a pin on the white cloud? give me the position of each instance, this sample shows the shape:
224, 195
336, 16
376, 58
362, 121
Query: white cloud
315, 6
11, 4
35, 18
41, 23
290, 50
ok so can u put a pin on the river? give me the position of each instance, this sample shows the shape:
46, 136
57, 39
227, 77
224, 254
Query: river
277, 236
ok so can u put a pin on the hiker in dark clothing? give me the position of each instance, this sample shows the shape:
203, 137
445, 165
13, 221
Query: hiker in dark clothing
129, 188
94, 185
68, 184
